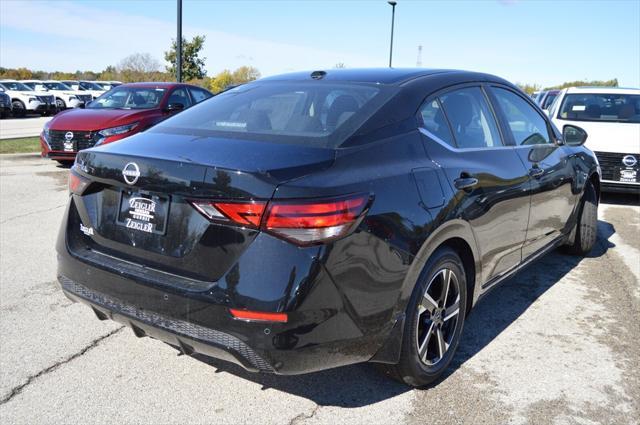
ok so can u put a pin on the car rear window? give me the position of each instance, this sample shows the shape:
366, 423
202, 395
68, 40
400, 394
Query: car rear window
314, 113
600, 107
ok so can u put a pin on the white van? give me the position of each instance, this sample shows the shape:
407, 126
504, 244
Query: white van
611, 118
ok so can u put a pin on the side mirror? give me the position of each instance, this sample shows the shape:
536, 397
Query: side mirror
174, 107
573, 136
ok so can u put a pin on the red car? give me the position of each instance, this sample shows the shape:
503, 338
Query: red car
122, 111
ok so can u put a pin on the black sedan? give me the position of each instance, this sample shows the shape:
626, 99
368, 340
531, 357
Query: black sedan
319, 219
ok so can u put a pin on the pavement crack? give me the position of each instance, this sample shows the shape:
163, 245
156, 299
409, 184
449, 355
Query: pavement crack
31, 213
304, 416
18, 389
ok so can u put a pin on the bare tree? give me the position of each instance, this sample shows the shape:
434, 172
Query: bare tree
139, 63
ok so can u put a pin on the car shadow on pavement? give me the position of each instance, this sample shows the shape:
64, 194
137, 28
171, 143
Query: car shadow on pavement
361, 385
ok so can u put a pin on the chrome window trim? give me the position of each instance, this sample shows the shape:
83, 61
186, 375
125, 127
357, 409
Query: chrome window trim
454, 149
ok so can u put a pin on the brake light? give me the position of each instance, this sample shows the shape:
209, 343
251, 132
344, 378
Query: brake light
258, 316
303, 222
245, 213
316, 221
77, 183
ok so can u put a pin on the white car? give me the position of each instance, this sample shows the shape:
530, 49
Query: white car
23, 99
66, 97
611, 118
108, 85
87, 87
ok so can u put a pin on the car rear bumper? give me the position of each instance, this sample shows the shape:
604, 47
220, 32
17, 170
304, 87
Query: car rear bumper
320, 332
188, 337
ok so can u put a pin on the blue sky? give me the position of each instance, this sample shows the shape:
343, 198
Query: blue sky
536, 41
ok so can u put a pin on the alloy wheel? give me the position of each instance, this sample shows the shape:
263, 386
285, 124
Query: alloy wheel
438, 314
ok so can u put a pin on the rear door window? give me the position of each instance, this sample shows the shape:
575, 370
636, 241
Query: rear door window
527, 126
471, 118
434, 121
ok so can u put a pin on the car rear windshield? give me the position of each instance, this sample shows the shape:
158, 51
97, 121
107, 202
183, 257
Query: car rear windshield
129, 98
601, 107
313, 113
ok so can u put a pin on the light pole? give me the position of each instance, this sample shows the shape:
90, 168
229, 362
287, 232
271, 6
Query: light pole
179, 44
393, 17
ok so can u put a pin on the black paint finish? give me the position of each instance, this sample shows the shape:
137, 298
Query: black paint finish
343, 298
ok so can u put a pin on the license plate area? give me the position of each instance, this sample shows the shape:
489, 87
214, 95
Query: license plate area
143, 212
627, 175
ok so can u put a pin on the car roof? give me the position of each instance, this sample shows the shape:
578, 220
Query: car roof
391, 76
611, 90
162, 84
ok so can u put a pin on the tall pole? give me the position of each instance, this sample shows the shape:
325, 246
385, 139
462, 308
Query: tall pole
393, 17
179, 44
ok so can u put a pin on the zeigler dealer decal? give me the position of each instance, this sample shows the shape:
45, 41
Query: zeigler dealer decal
142, 212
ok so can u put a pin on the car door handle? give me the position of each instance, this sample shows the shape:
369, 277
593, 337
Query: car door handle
536, 172
463, 183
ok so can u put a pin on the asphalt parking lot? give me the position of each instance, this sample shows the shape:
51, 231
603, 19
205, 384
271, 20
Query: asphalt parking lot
558, 344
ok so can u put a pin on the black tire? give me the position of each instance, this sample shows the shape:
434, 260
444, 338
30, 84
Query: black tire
19, 109
66, 163
412, 369
61, 106
586, 229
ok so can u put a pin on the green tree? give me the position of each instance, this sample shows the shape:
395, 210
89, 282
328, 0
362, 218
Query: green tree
192, 64
226, 78
529, 88
582, 83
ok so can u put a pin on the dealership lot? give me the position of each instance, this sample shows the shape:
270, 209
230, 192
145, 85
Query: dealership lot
560, 343
22, 127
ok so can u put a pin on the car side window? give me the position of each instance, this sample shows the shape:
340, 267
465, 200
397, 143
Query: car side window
434, 121
471, 119
527, 126
199, 95
180, 95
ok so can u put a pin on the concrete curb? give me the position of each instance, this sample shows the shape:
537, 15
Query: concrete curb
20, 155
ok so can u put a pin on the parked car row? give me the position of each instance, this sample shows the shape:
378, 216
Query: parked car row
48, 97
121, 112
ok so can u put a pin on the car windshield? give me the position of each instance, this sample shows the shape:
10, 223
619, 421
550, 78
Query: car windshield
129, 98
88, 85
54, 85
16, 86
318, 114
601, 107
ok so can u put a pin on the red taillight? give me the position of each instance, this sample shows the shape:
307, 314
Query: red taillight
77, 183
244, 213
259, 316
314, 214
316, 221
303, 222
